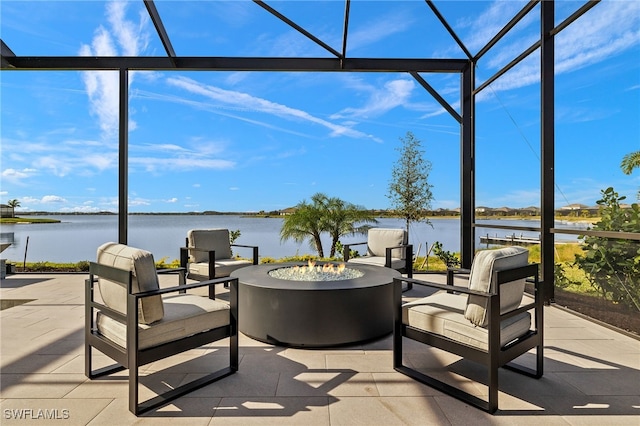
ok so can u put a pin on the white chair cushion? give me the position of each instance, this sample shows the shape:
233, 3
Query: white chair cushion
378, 239
483, 278
443, 314
209, 239
185, 315
224, 267
378, 261
145, 278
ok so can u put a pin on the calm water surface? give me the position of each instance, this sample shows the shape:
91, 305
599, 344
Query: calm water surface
77, 237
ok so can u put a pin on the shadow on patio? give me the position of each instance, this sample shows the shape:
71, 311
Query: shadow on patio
591, 375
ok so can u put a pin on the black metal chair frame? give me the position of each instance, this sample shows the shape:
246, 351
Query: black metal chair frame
132, 357
493, 358
184, 259
408, 265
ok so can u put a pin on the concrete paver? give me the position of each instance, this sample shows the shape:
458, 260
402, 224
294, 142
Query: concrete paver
592, 376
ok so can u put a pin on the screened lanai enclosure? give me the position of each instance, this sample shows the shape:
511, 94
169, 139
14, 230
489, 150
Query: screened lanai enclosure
467, 66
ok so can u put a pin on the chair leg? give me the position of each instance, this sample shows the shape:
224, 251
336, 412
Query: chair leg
133, 390
493, 389
539, 361
104, 371
397, 324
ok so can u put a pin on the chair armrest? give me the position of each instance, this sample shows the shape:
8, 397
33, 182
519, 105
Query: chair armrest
184, 254
255, 251
181, 288
503, 276
463, 290
453, 271
400, 246
184, 258
182, 279
91, 303
408, 257
346, 249
170, 270
195, 248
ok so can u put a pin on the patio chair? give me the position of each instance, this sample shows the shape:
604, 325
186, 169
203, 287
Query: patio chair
385, 247
486, 323
208, 255
135, 322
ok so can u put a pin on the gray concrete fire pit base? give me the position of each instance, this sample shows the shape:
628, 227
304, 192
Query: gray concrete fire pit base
315, 313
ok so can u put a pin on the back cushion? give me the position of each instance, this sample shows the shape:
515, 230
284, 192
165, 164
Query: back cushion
380, 238
209, 239
483, 278
145, 278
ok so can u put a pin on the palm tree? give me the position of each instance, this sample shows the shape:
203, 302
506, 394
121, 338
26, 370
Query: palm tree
324, 214
630, 162
13, 204
341, 219
306, 223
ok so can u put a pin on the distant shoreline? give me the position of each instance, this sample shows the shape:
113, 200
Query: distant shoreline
26, 218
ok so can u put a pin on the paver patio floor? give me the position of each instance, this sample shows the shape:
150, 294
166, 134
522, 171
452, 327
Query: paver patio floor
592, 376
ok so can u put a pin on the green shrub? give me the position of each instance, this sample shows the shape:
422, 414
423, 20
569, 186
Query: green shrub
612, 265
162, 263
448, 258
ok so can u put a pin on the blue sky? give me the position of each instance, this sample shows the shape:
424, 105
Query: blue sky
240, 141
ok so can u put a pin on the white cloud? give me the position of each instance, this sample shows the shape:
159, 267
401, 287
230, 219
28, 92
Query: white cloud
172, 200
132, 38
247, 102
484, 27
151, 164
138, 202
103, 86
393, 94
80, 209
16, 176
382, 27
48, 199
610, 28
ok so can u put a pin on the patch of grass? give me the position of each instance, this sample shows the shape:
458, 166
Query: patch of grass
563, 252
164, 264
10, 220
82, 266
433, 263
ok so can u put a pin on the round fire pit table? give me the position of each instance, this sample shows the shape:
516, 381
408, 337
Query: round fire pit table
315, 313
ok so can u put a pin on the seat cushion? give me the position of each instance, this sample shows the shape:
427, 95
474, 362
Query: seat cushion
483, 278
224, 267
209, 239
378, 261
185, 315
378, 239
443, 314
141, 264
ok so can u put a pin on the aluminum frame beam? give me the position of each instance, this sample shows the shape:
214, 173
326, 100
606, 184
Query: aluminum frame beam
157, 22
298, 28
209, 63
547, 148
123, 159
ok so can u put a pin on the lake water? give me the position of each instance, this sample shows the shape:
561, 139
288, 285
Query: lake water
77, 237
